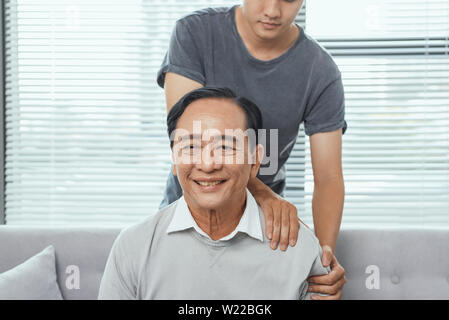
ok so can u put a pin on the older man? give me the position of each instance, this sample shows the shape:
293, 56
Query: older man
209, 244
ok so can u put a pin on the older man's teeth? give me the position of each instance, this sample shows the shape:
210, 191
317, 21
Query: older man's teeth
208, 184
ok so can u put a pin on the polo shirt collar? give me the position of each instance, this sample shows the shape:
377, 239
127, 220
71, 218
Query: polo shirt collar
249, 222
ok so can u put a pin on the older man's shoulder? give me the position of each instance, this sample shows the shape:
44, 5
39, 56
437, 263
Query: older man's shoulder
145, 229
307, 237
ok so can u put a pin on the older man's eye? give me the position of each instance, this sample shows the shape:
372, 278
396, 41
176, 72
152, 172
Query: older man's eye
227, 149
190, 148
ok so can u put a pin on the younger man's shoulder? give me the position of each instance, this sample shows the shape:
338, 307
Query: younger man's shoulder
204, 16
321, 57
208, 12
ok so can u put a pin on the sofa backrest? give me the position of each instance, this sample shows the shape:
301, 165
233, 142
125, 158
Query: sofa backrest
85, 248
379, 263
409, 263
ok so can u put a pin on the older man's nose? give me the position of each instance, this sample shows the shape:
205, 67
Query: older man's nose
209, 161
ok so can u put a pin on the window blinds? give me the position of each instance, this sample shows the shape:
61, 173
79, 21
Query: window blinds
394, 59
85, 120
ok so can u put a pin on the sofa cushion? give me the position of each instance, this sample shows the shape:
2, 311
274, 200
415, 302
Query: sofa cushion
80, 252
34, 279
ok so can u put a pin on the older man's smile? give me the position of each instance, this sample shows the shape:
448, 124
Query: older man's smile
209, 184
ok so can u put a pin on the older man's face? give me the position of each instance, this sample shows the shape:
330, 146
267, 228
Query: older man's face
211, 159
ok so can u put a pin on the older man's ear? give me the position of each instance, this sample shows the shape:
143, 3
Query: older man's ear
173, 163
256, 160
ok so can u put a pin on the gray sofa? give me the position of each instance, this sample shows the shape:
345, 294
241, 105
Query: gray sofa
408, 264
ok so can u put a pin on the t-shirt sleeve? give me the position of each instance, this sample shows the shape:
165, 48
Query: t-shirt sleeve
117, 280
317, 269
326, 109
183, 56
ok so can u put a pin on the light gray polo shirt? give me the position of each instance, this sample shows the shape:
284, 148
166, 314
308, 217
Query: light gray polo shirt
167, 256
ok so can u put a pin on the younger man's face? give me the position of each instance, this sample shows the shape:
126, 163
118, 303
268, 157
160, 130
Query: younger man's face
270, 19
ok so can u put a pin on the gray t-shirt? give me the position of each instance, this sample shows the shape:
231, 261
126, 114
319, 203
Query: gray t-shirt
148, 262
302, 85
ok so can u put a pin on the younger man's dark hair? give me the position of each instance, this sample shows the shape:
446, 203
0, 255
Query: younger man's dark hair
252, 112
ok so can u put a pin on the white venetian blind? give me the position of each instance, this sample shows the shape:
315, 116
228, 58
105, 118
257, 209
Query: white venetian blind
85, 120
394, 59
